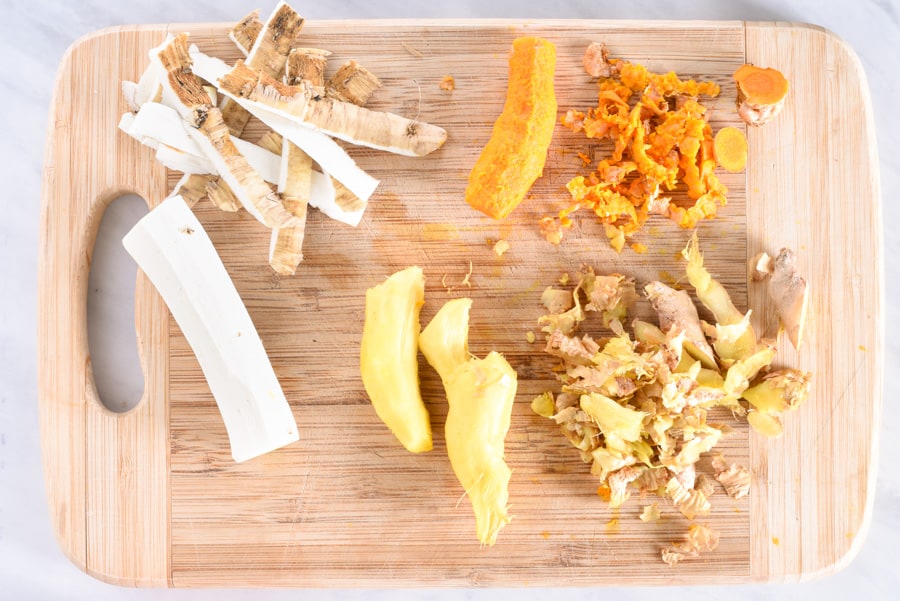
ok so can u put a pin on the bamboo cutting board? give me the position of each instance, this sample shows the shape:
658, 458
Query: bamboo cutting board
152, 497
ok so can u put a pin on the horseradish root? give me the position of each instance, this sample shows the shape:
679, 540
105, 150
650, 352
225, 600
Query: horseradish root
269, 53
172, 248
344, 120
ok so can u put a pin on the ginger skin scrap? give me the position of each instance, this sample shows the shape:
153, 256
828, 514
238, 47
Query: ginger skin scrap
515, 154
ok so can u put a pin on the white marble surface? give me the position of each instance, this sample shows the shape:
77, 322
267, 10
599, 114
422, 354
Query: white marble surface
36, 35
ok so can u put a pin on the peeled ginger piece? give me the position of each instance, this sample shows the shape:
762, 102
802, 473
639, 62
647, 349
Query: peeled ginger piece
388, 357
480, 393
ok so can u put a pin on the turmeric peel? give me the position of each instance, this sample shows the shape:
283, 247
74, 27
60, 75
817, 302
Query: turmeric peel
515, 154
661, 136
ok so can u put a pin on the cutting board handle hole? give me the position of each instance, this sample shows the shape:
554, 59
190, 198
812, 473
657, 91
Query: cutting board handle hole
112, 338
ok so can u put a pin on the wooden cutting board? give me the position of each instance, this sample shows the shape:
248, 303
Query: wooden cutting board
153, 498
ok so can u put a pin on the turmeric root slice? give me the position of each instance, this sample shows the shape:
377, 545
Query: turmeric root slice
731, 149
515, 154
760, 93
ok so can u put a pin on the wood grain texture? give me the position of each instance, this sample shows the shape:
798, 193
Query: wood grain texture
818, 508
106, 474
153, 498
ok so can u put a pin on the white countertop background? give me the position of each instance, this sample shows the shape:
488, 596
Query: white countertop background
36, 34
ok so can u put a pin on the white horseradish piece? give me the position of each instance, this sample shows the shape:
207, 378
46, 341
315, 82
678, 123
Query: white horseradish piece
172, 248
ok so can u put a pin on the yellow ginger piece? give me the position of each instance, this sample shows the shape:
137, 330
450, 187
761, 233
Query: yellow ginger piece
388, 357
736, 338
480, 393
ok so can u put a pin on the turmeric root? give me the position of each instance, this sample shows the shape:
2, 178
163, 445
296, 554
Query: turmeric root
388, 362
731, 149
760, 93
480, 393
515, 154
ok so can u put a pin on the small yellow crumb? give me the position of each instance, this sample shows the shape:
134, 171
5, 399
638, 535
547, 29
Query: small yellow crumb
501, 247
585, 159
616, 237
612, 526
448, 84
565, 278
862, 348
639, 248
530, 337
775, 540
651, 513
545, 534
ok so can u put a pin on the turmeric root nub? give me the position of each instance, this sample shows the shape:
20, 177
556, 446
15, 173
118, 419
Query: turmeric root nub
760, 93
515, 154
731, 149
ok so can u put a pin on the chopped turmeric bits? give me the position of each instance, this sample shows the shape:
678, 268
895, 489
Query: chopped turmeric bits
660, 136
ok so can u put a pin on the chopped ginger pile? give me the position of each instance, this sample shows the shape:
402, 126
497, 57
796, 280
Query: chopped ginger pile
661, 137
637, 408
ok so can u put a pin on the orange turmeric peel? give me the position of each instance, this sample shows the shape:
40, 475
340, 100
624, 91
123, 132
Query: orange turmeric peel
515, 154
660, 136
